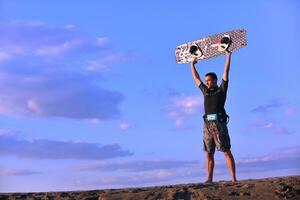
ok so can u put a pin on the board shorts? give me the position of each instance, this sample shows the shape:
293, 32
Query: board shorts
215, 134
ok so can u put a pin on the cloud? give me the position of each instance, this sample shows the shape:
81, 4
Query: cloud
275, 103
284, 158
180, 107
8, 133
94, 120
102, 64
267, 125
141, 178
59, 49
47, 73
37, 40
284, 153
17, 172
55, 94
52, 149
136, 179
265, 120
69, 26
4, 56
171, 172
290, 111
41, 39
124, 126
136, 165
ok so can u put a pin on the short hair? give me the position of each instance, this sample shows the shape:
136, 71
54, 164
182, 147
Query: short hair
212, 75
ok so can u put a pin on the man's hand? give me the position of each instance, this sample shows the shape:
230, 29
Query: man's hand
228, 53
194, 61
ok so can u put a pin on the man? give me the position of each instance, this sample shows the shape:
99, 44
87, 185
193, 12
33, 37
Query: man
215, 132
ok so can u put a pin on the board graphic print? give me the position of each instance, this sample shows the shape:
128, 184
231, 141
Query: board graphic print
211, 46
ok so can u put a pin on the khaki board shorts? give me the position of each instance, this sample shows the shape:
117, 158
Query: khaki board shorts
215, 134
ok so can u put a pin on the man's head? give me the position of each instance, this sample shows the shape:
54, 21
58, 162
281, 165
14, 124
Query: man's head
211, 80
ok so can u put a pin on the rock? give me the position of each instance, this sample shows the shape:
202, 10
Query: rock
244, 193
233, 193
247, 186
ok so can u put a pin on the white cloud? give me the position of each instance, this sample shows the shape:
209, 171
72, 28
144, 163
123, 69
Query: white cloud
38, 38
182, 106
33, 85
102, 40
58, 49
34, 106
4, 56
94, 120
124, 126
96, 66
269, 125
34, 23
116, 57
179, 123
104, 63
56, 94
69, 26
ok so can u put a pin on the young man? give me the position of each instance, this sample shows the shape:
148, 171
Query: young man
215, 133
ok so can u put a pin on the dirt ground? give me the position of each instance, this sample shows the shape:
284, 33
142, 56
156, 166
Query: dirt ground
264, 189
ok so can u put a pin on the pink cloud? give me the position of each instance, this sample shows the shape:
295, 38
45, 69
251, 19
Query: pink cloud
4, 132
290, 111
288, 152
17, 172
268, 125
285, 158
137, 179
69, 26
135, 165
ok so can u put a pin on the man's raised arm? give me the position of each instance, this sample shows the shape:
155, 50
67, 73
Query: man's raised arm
195, 73
227, 66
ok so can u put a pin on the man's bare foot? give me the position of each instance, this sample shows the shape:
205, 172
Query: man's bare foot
208, 181
234, 180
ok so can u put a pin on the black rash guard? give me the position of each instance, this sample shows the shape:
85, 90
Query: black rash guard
214, 98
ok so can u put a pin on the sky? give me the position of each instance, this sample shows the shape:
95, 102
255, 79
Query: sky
91, 96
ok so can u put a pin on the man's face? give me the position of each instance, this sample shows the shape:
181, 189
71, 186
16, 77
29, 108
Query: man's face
210, 82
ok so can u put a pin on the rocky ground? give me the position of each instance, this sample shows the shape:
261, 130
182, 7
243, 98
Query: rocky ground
264, 189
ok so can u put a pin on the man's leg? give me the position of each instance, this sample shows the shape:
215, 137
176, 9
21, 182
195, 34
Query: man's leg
230, 164
210, 163
209, 148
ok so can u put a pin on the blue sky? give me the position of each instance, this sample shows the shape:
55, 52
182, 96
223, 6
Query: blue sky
91, 96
